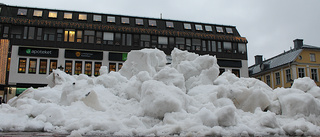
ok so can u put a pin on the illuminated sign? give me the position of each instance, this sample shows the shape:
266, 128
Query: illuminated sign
38, 52
78, 54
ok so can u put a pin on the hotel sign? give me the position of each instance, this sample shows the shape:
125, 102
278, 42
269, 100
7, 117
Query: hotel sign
78, 54
38, 52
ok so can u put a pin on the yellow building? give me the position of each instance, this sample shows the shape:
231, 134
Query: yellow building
281, 70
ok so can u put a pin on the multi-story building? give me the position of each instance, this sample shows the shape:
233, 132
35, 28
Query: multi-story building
281, 70
34, 41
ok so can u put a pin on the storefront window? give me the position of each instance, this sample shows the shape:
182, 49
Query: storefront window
78, 68
22, 65
68, 67
88, 68
97, 66
43, 66
32, 66
53, 65
119, 66
112, 67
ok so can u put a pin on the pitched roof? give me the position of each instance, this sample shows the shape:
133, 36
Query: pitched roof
279, 60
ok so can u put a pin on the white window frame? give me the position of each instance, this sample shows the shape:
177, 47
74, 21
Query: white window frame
317, 75
304, 72
312, 57
278, 77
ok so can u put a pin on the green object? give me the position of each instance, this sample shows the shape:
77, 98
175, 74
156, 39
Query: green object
20, 90
28, 51
124, 56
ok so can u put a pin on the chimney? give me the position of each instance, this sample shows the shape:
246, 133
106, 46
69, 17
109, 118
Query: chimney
298, 43
258, 59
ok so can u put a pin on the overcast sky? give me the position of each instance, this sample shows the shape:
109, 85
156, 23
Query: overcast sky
270, 26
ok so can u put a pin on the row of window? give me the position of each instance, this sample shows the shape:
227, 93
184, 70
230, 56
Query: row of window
117, 39
125, 20
301, 74
89, 66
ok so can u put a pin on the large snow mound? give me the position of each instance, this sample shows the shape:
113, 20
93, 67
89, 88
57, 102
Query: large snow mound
149, 98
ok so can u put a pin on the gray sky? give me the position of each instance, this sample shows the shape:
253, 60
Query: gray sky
270, 26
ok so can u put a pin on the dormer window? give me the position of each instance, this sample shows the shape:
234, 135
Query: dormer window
229, 30
22, 12
152, 23
139, 21
198, 27
169, 24
125, 20
111, 19
67, 15
96, 17
82, 16
37, 13
53, 14
219, 29
187, 26
208, 28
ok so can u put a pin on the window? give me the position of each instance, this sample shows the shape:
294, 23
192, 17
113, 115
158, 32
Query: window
187, 26
117, 39
171, 42
79, 36
145, 41
82, 16
49, 34
268, 80
112, 67
125, 20
22, 65
5, 32
99, 37
219, 47
97, 66
96, 17
208, 28
219, 29
227, 47
108, 38
139, 21
78, 67
67, 15
209, 45
312, 57
163, 42
53, 14
32, 66
301, 72
129, 40
229, 30
242, 48
288, 75
198, 27
68, 67
43, 66
39, 34
119, 66
204, 45
180, 43
196, 44
29, 34
314, 74
169, 24
136, 39
152, 23
111, 19
213, 46
16, 32
236, 72
88, 68
235, 47
278, 82
69, 35
188, 44
53, 65
22, 12
88, 36
37, 13
221, 70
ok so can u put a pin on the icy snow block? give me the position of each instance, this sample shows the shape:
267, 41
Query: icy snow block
150, 60
303, 84
226, 116
297, 103
157, 99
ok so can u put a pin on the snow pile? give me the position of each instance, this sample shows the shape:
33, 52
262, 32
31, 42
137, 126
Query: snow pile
149, 98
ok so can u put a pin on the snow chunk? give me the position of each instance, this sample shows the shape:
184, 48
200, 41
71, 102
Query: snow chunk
303, 84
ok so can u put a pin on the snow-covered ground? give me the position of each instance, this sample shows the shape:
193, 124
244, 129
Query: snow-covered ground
148, 97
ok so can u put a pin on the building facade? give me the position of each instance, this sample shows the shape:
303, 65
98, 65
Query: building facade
281, 70
34, 41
